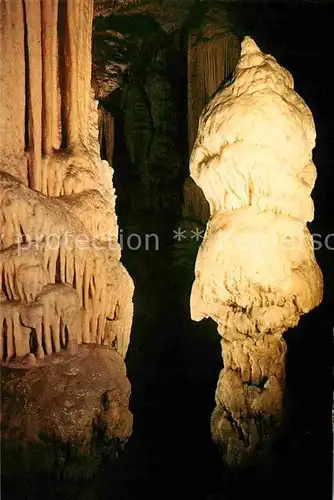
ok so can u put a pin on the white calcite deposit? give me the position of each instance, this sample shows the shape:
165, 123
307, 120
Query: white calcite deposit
256, 272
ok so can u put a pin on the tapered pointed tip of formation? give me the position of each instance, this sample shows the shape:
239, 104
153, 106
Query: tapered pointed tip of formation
248, 45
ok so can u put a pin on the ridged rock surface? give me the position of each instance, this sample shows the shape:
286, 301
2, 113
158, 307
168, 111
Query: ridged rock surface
213, 51
58, 221
67, 400
86, 389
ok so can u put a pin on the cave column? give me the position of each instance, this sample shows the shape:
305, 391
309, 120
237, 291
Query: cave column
51, 280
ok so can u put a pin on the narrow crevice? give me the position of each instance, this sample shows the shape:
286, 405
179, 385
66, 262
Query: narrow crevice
4, 339
33, 341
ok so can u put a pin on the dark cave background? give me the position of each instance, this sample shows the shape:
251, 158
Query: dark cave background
173, 363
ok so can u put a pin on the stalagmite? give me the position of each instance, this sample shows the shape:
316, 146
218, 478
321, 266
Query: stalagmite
213, 52
256, 272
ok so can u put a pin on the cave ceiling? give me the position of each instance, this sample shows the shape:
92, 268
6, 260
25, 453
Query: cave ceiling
170, 14
127, 34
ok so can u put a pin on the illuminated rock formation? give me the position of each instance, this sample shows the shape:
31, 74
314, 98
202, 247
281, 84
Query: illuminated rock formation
66, 300
213, 52
61, 275
256, 273
12, 90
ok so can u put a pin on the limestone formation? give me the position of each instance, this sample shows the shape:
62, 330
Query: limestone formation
256, 272
213, 52
12, 90
60, 272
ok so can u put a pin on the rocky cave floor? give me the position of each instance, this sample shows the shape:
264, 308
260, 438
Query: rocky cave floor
173, 365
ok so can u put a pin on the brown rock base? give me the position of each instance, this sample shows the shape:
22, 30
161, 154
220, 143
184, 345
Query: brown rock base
62, 416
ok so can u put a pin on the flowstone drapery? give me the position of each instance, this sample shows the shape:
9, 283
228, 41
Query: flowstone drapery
256, 272
213, 51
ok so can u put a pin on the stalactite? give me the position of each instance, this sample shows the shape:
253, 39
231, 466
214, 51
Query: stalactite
26, 268
210, 61
138, 127
80, 18
28, 271
12, 89
100, 113
106, 133
51, 91
33, 27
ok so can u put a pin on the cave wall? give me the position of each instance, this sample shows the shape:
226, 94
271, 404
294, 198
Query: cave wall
134, 52
213, 51
12, 89
136, 60
61, 278
106, 134
256, 272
